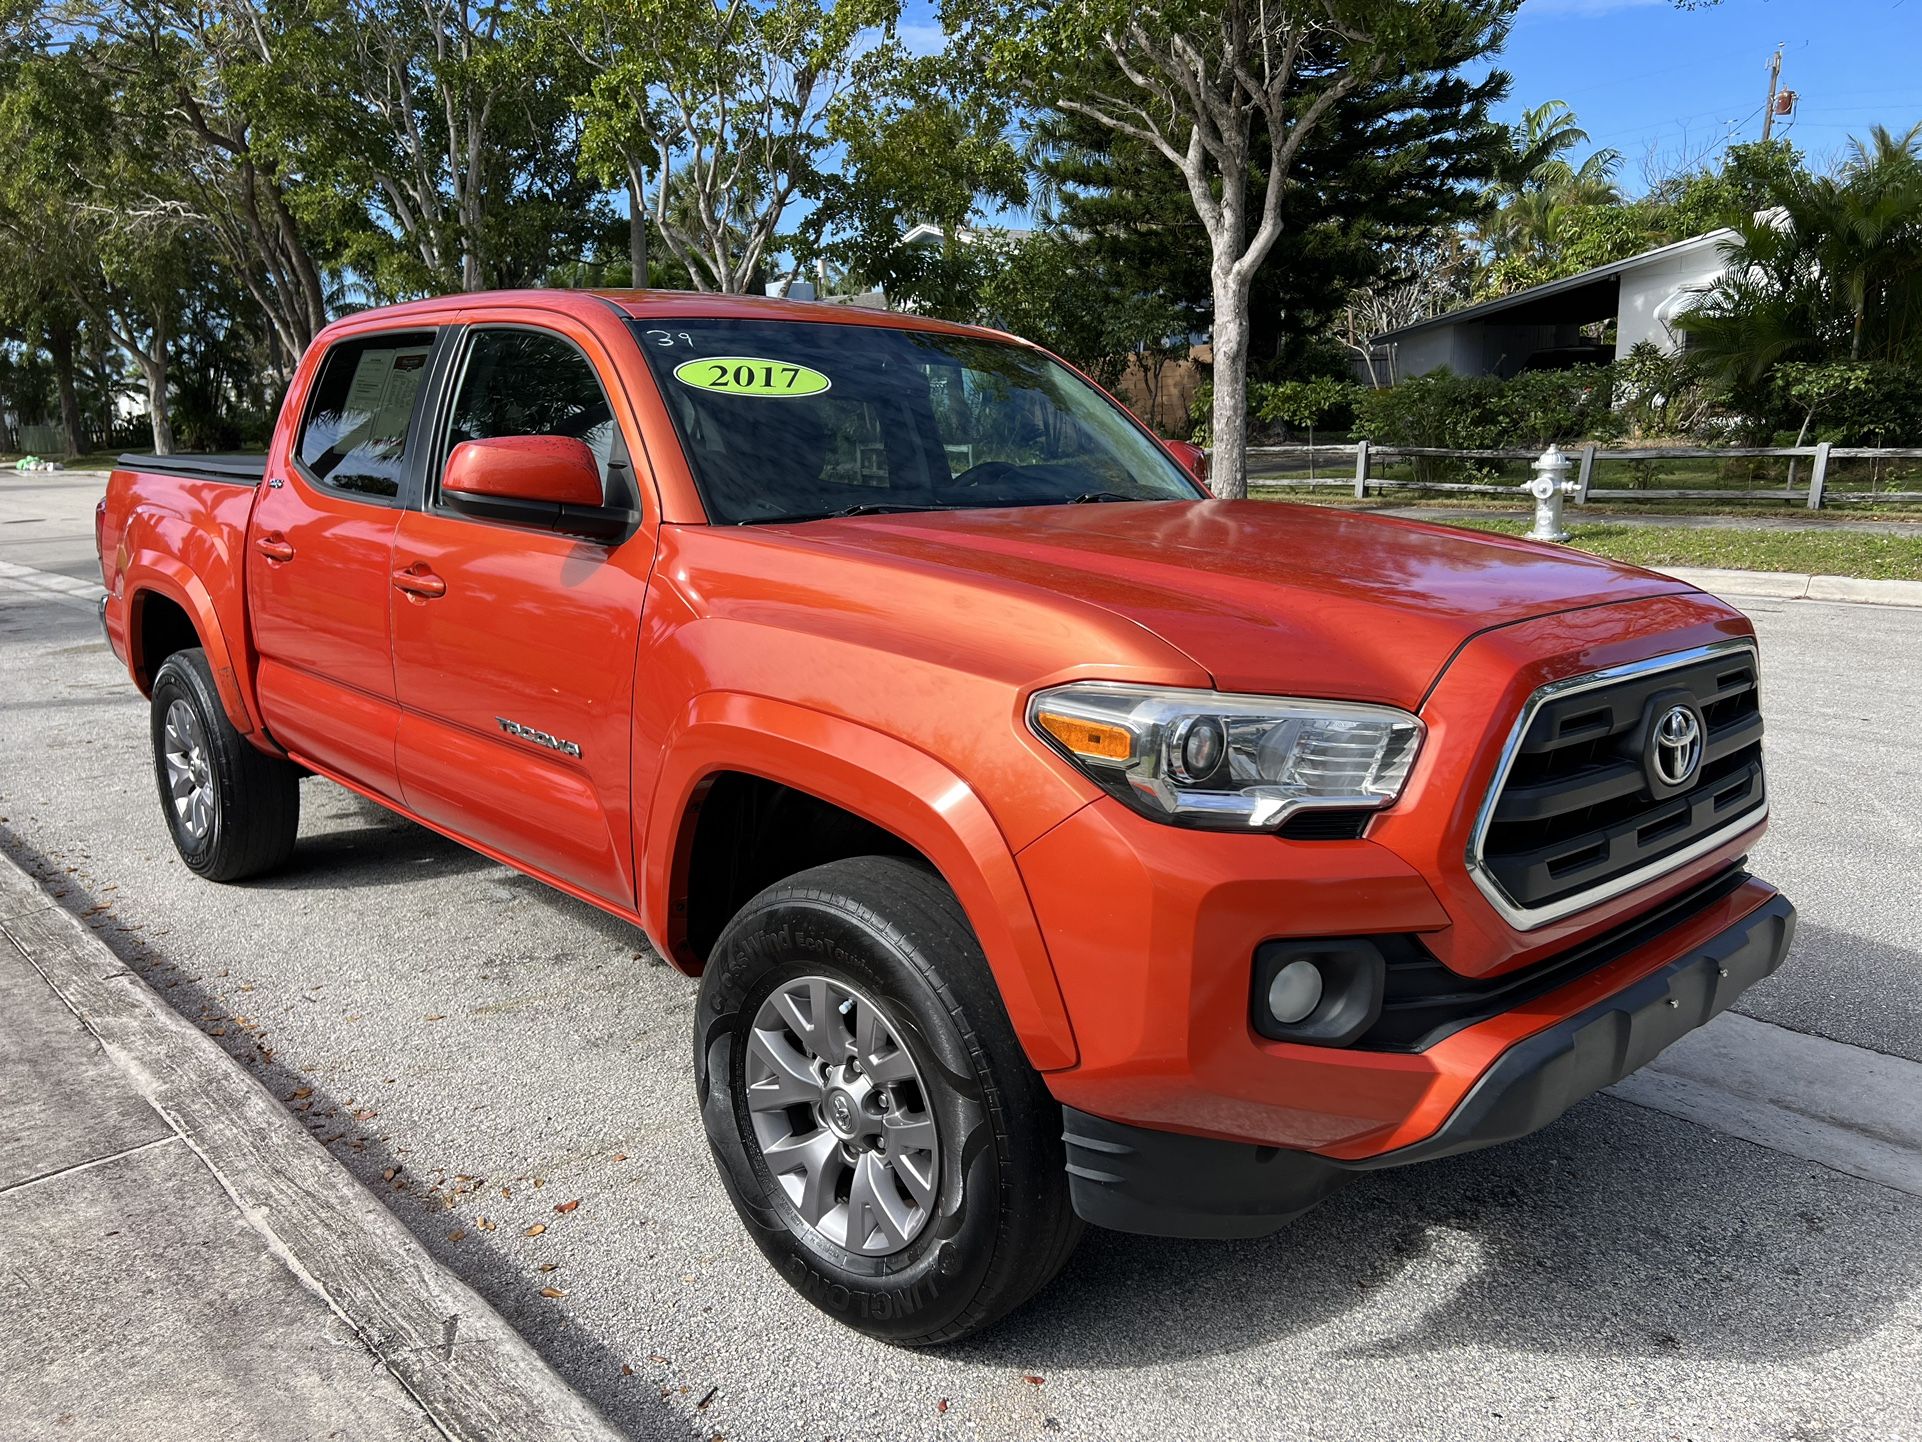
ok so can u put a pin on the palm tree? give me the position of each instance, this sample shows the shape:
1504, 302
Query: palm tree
1832, 271
1540, 152
1539, 183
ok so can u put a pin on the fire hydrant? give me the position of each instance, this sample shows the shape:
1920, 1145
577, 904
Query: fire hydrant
1550, 484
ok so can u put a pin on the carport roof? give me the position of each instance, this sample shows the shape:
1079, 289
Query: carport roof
1578, 299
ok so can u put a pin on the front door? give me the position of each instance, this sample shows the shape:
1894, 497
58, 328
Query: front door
514, 660
319, 553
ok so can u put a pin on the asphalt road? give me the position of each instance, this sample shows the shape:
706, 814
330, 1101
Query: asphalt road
504, 1050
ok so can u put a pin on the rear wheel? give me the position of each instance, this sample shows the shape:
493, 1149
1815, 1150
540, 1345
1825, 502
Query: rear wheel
233, 810
875, 1121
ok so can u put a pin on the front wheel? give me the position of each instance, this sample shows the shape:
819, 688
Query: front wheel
232, 809
874, 1119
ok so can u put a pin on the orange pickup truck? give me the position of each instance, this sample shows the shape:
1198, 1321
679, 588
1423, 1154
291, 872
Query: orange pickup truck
1053, 843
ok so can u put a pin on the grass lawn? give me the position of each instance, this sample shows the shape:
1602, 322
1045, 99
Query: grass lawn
1821, 553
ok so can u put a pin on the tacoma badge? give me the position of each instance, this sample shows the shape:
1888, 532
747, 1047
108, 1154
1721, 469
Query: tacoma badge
539, 738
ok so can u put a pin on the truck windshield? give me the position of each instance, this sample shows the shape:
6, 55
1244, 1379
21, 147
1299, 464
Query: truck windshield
798, 420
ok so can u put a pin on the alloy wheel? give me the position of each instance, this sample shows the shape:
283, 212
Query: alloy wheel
190, 775
841, 1117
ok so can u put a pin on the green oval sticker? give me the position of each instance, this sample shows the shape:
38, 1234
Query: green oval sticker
746, 375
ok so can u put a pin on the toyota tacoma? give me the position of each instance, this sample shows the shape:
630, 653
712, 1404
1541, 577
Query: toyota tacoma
1053, 843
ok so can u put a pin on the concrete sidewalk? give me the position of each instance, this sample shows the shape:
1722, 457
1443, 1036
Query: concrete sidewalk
183, 1262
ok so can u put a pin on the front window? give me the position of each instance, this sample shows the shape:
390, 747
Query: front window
796, 420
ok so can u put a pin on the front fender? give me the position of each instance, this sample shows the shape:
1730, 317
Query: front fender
887, 782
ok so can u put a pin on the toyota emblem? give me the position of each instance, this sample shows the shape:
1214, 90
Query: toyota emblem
1676, 746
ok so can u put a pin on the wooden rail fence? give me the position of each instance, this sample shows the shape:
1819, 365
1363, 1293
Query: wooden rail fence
1361, 459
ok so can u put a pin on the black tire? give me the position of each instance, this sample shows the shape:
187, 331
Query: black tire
1001, 1225
254, 798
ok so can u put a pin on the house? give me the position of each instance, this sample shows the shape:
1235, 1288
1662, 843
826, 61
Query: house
933, 237
1541, 328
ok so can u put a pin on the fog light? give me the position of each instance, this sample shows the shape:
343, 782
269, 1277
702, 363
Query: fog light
1318, 991
1295, 992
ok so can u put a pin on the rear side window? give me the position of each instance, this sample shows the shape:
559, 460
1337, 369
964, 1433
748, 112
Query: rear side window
531, 383
354, 437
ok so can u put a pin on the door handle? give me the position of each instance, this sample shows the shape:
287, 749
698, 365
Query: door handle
274, 548
419, 582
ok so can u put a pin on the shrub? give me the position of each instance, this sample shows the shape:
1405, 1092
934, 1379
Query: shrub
1660, 394
1527, 411
1866, 403
1324, 403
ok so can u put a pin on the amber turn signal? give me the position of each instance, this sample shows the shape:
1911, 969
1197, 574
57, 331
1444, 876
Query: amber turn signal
1096, 740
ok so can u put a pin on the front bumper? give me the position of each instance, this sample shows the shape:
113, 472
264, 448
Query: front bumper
1136, 1179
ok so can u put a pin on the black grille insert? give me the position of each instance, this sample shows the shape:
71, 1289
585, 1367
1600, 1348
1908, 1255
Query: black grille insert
1584, 803
1327, 824
1423, 1001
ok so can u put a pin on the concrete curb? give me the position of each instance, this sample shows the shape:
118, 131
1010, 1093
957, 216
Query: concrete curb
472, 1374
1796, 586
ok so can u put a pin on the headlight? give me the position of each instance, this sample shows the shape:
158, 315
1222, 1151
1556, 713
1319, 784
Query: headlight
1231, 763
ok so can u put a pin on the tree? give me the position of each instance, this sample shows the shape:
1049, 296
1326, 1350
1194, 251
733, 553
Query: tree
1831, 270
80, 167
450, 149
223, 85
1197, 81
1431, 277
1554, 216
727, 106
1376, 195
920, 144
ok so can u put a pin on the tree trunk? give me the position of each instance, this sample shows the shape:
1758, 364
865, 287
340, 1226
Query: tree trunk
60, 348
155, 372
637, 226
1228, 463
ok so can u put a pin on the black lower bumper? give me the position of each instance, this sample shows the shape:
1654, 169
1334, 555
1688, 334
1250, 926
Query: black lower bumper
1170, 1184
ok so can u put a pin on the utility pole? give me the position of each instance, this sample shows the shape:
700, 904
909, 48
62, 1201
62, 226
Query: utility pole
1768, 110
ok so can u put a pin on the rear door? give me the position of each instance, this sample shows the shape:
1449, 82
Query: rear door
320, 547
515, 673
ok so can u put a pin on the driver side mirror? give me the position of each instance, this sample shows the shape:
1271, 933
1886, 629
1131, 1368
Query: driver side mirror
554, 469
548, 481
1194, 460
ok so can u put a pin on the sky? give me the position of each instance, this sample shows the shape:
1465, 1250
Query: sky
1663, 84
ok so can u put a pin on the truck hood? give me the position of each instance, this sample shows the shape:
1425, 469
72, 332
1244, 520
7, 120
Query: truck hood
1265, 597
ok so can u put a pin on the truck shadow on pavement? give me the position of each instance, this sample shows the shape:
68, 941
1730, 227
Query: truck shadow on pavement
1616, 1232
348, 842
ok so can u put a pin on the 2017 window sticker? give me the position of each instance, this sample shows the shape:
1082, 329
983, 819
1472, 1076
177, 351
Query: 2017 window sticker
739, 375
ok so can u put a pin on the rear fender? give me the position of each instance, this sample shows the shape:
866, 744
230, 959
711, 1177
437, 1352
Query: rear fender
886, 782
150, 573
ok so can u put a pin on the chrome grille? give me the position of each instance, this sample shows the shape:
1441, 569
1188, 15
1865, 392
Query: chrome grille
1578, 814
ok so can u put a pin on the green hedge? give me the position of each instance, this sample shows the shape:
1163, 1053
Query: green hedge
1287, 409
1848, 403
1525, 412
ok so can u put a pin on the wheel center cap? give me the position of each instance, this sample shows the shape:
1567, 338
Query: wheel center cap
843, 1116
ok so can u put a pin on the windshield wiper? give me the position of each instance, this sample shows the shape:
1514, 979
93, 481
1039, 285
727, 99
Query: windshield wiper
881, 508
1088, 498
865, 508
